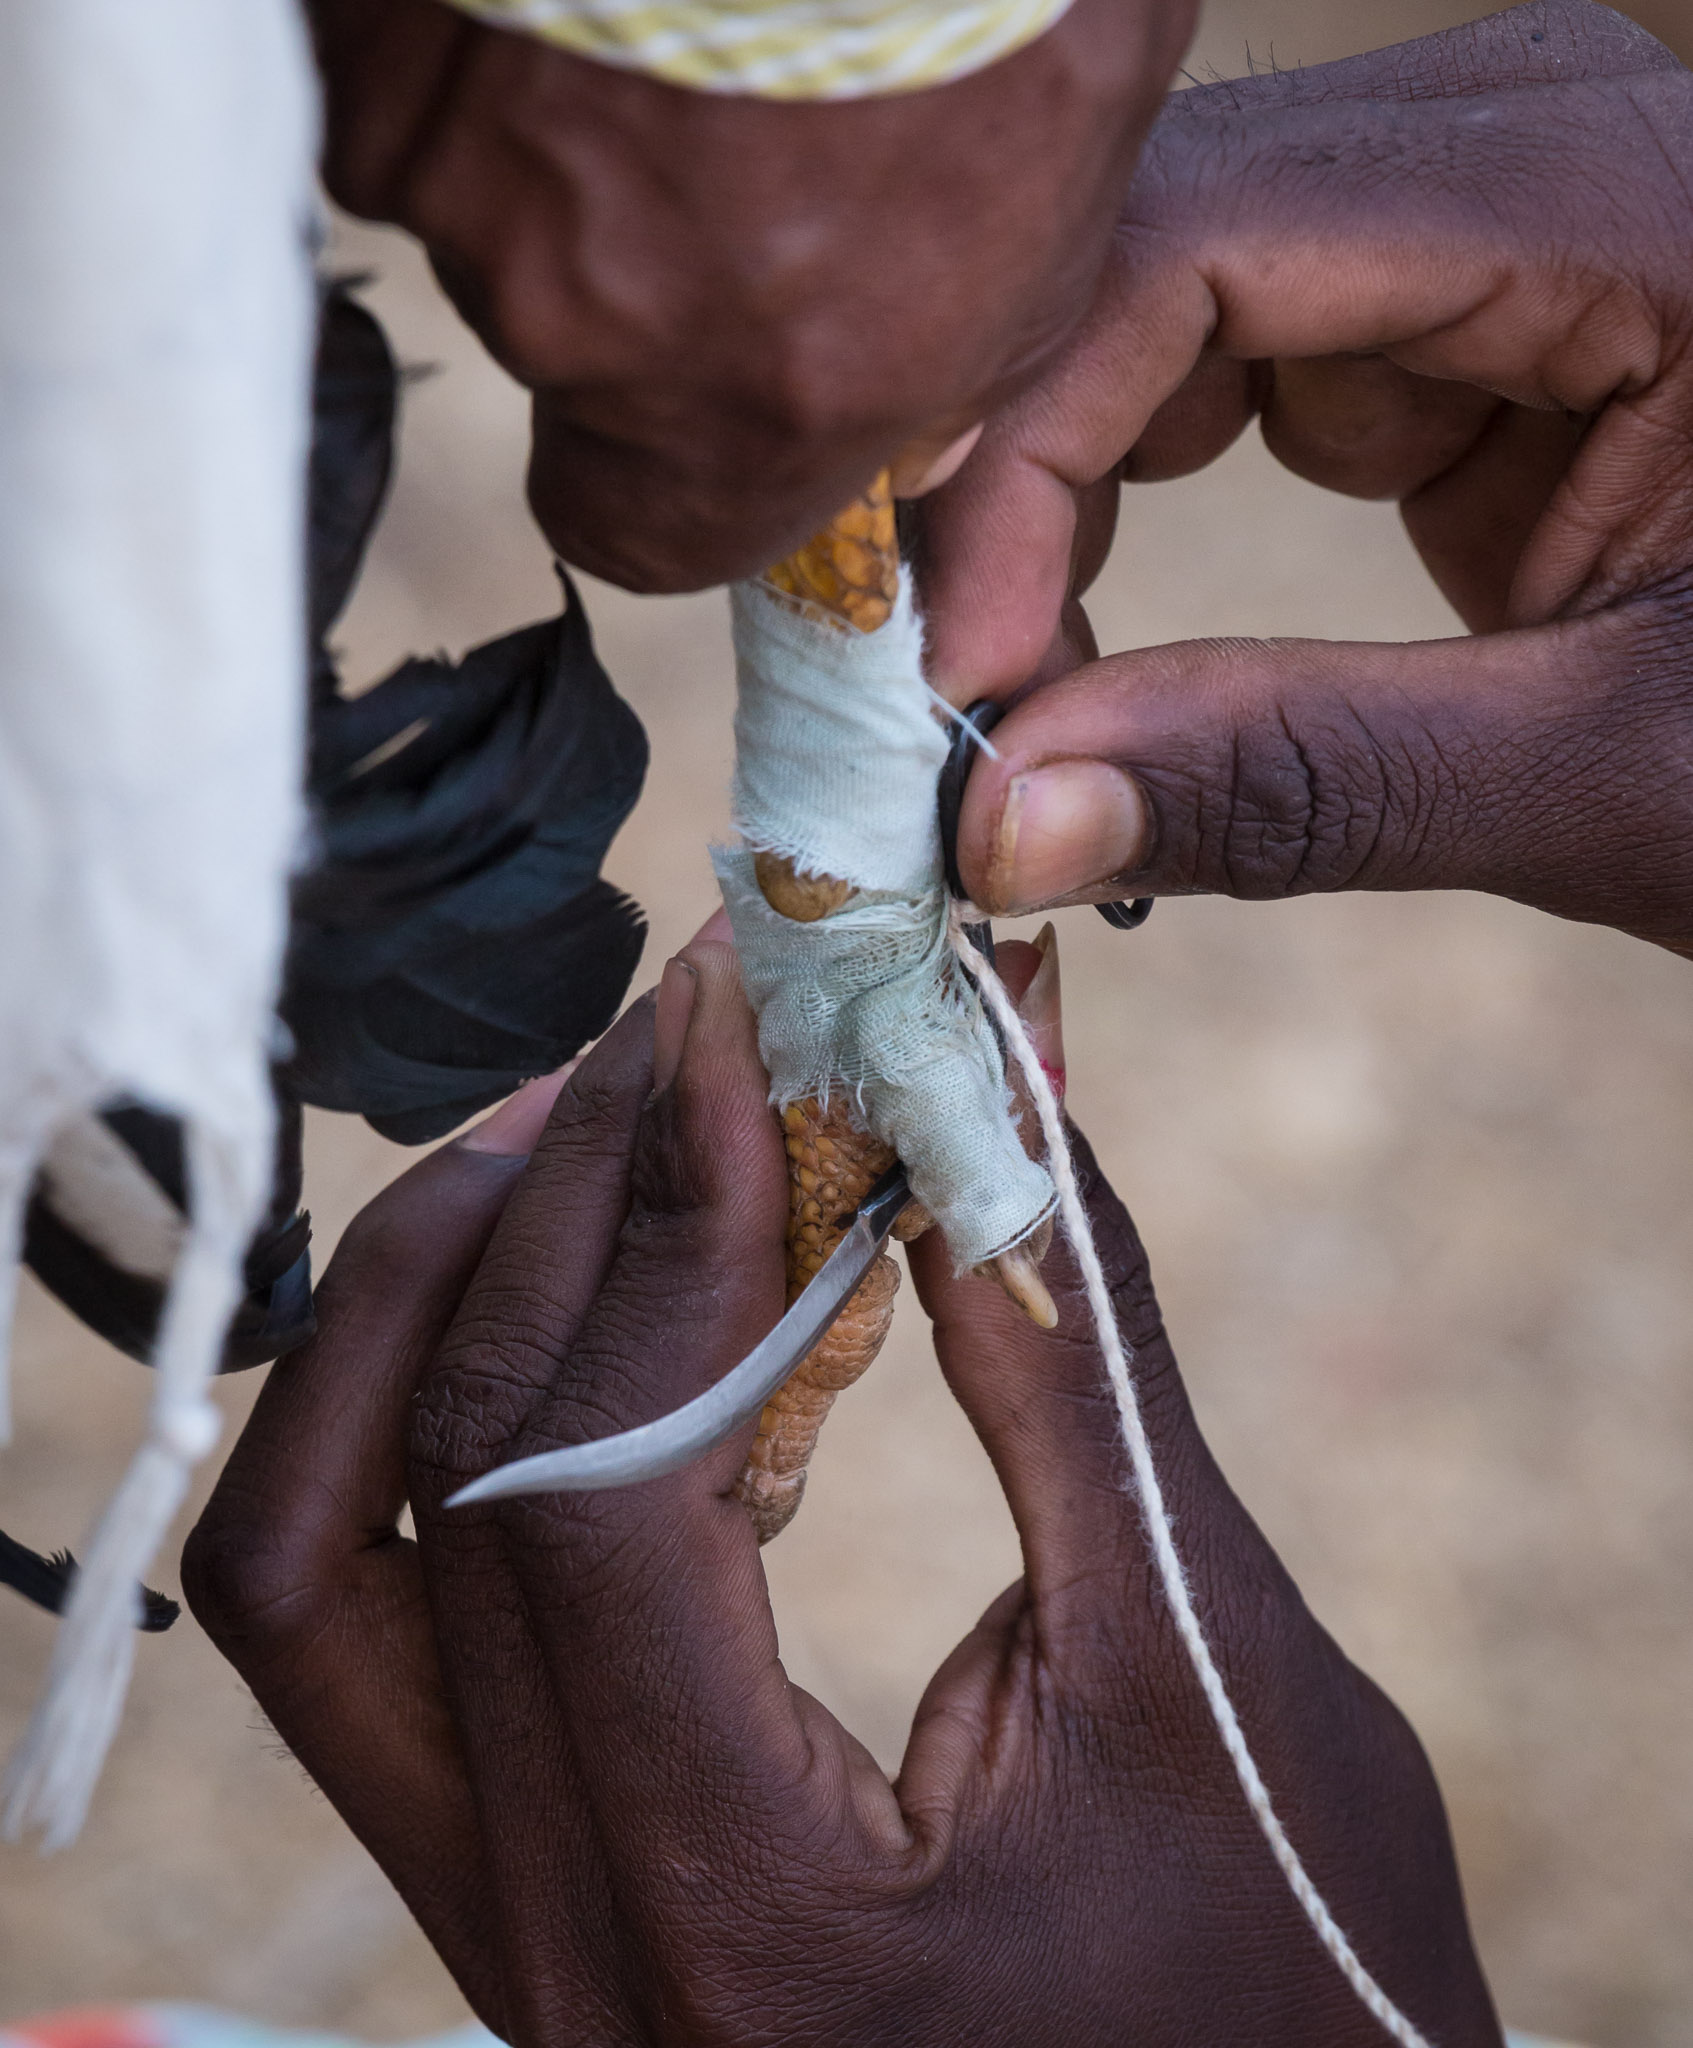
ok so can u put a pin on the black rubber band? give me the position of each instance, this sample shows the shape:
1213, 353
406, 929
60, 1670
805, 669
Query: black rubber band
1126, 917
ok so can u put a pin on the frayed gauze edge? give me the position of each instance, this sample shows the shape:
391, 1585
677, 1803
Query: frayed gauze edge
837, 756
871, 1004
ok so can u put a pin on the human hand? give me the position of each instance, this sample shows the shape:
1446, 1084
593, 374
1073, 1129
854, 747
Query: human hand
733, 311
1454, 274
562, 1726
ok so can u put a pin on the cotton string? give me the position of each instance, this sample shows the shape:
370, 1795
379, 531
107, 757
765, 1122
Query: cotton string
1073, 1214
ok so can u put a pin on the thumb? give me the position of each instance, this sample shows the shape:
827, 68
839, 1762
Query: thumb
1041, 1402
1543, 765
1494, 207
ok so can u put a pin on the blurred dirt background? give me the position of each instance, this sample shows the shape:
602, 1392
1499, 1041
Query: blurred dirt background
1417, 1177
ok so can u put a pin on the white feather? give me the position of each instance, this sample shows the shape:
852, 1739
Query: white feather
155, 341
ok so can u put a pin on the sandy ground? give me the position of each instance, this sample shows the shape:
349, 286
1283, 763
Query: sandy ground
1417, 1177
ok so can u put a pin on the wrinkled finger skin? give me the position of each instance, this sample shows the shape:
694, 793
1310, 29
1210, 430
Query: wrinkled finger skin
563, 1722
1454, 275
732, 312
298, 1572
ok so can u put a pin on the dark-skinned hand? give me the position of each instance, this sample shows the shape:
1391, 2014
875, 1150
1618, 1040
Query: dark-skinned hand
562, 1726
733, 311
1455, 274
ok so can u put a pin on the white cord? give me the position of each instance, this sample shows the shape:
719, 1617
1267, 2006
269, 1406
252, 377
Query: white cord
963, 720
1172, 1577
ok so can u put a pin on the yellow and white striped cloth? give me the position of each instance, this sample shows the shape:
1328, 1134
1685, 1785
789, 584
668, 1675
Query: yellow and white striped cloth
784, 49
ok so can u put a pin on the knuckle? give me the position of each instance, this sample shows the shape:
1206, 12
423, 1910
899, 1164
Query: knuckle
823, 411
250, 1583
645, 521
529, 317
813, 402
1284, 825
375, 1239
604, 1100
471, 1407
505, 1349
1321, 801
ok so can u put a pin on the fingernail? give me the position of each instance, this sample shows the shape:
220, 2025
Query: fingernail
1066, 827
918, 468
676, 990
1042, 1010
514, 1129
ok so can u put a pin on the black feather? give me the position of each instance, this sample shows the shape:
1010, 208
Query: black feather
453, 937
124, 1307
355, 394
48, 1581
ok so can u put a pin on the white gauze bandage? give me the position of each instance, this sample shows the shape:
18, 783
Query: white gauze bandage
837, 754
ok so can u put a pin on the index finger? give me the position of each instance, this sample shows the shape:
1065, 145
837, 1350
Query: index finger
1416, 201
647, 1604
297, 1572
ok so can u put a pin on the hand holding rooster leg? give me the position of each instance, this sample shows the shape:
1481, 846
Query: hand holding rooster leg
563, 1727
